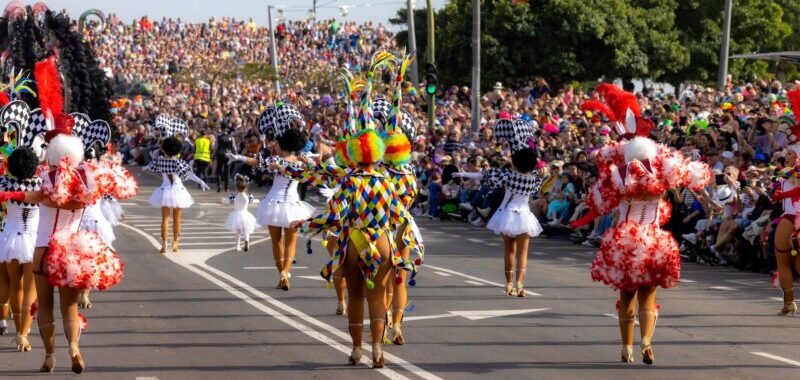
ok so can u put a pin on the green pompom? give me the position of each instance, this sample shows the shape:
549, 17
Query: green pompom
329, 284
370, 285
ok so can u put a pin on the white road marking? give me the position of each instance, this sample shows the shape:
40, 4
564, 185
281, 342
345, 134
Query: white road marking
443, 274
688, 281
726, 288
474, 282
147, 378
635, 321
317, 278
288, 311
293, 267
231, 243
475, 278
473, 315
477, 240
537, 253
493, 244
566, 259
776, 299
778, 358
424, 317
211, 204
128, 204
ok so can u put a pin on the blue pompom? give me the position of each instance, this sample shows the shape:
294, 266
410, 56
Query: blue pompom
412, 282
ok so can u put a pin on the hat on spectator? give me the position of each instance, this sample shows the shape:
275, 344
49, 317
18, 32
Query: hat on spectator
727, 155
541, 164
723, 194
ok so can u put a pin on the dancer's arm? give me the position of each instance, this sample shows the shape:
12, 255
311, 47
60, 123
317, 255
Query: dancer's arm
247, 160
469, 175
192, 177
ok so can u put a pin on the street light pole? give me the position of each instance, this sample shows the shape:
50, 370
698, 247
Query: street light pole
726, 41
432, 61
273, 51
476, 65
412, 42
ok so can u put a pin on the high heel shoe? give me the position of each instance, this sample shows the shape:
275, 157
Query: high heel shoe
284, 282
509, 289
627, 354
789, 308
520, 290
23, 345
377, 355
355, 355
246, 245
648, 357
163, 246
49, 364
77, 359
398, 338
83, 301
341, 308
175, 245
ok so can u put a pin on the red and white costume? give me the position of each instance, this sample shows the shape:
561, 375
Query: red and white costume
633, 176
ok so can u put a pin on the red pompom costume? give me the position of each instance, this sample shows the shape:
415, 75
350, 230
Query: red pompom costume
637, 252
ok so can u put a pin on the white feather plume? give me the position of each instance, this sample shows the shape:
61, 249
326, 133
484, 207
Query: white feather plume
65, 146
639, 148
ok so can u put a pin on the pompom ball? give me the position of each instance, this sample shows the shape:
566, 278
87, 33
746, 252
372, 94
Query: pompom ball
366, 147
398, 148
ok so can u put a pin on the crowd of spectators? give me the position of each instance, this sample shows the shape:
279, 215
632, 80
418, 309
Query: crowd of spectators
741, 131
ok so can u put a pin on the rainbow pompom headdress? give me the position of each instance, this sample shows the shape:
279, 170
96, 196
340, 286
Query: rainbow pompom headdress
360, 143
399, 125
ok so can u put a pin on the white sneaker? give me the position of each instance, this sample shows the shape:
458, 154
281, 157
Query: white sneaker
691, 238
588, 243
465, 206
238, 248
593, 235
478, 223
484, 211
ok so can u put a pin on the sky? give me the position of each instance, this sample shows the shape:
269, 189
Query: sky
202, 10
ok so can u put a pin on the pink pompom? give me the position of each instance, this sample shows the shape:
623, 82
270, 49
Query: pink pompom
84, 322
775, 280
34, 309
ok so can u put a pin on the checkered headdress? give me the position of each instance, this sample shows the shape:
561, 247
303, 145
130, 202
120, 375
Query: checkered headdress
91, 132
14, 116
517, 133
381, 109
277, 119
169, 126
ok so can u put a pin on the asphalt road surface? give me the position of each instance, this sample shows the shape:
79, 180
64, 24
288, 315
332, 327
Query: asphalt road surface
210, 312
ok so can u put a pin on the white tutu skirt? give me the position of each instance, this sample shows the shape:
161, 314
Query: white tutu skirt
101, 226
17, 246
171, 197
112, 211
241, 221
278, 213
514, 222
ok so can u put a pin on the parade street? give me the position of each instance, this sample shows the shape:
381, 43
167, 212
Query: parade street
210, 312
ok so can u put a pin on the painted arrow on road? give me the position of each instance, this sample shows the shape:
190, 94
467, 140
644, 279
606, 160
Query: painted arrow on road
474, 315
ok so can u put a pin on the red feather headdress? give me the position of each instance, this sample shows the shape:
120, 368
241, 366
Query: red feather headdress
794, 100
622, 109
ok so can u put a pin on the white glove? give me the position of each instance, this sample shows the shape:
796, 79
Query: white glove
235, 157
204, 187
468, 175
326, 192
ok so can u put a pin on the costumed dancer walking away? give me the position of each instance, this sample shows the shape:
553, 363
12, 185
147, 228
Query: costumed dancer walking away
787, 234
172, 197
282, 205
514, 220
240, 221
399, 131
366, 208
636, 256
18, 238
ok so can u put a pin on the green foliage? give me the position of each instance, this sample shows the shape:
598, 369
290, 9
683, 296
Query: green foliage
564, 40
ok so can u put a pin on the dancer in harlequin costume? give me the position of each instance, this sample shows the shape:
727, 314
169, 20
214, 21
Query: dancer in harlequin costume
172, 197
788, 230
636, 256
282, 205
366, 208
514, 220
399, 130
240, 221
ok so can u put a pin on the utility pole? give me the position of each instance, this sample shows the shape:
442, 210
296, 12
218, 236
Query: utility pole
315, 10
412, 42
476, 65
722, 77
431, 61
273, 51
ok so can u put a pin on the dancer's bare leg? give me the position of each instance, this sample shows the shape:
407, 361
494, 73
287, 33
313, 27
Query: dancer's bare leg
165, 214
290, 248
68, 300
276, 237
177, 214
47, 327
509, 249
5, 295
338, 278
783, 256
356, 291
400, 299
627, 305
521, 255
15, 274
376, 301
647, 321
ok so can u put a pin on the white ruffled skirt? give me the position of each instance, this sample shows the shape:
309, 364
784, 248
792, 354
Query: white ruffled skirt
112, 211
241, 221
175, 196
514, 222
17, 246
101, 226
277, 213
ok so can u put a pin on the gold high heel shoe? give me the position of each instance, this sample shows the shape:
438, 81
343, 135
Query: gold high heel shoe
175, 245
83, 300
49, 364
398, 338
377, 355
77, 359
341, 308
648, 357
627, 354
789, 308
23, 345
284, 282
509, 291
355, 355
520, 290
163, 246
